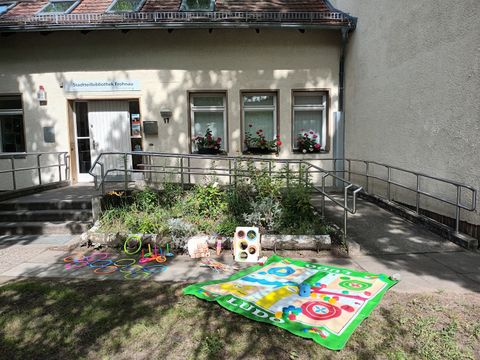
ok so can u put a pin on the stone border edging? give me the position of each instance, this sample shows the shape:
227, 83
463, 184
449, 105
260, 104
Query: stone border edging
268, 242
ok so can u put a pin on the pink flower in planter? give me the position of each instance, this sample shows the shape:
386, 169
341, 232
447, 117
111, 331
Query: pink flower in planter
219, 140
316, 146
279, 143
315, 136
311, 132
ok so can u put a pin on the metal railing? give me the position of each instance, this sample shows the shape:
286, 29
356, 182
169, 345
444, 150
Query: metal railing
331, 17
391, 181
61, 163
294, 171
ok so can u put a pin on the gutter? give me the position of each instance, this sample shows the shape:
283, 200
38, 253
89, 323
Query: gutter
174, 26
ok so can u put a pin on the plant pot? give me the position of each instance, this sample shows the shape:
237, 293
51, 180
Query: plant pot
314, 151
260, 151
207, 151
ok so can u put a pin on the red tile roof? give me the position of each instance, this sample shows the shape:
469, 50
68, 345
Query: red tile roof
162, 13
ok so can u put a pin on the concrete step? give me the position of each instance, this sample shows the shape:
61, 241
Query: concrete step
46, 215
13, 205
44, 227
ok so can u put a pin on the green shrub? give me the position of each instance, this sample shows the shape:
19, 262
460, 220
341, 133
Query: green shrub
266, 214
296, 206
208, 200
146, 199
170, 194
227, 226
239, 200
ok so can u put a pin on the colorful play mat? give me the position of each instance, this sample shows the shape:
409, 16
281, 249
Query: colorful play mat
314, 301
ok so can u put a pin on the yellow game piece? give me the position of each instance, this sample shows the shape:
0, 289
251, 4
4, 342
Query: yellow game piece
314, 295
278, 314
332, 301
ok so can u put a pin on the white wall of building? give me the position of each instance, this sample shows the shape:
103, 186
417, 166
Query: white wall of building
413, 89
167, 65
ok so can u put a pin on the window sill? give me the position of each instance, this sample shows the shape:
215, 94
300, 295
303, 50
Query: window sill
258, 151
210, 152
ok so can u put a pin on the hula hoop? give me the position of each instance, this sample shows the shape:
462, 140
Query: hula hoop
131, 269
152, 269
96, 257
119, 263
161, 259
136, 237
72, 258
82, 263
131, 276
101, 271
106, 263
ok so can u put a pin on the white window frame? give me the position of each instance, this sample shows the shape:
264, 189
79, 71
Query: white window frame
12, 4
68, 11
217, 109
315, 107
254, 108
13, 112
184, 7
114, 2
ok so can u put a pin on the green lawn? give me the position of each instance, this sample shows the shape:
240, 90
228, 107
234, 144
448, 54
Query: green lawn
56, 319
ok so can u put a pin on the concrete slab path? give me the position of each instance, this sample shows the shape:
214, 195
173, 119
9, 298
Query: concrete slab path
389, 244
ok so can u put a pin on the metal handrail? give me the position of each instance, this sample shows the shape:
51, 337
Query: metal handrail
61, 155
185, 168
417, 189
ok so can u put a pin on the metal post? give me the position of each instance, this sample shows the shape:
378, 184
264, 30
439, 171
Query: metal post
457, 209
235, 172
345, 213
125, 177
288, 174
39, 170
323, 196
14, 180
181, 171
229, 171
366, 174
59, 167
389, 182
67, 167
102, 172
189, 171
349, 169
270, 169
299, 173
417, 200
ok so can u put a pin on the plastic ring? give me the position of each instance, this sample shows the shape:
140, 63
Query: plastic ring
96, 256
101, 271
153, 268
105, 263
119, 262
72, 258
131, 269
130, 237
161, 259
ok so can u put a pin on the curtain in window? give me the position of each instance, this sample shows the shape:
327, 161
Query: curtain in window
260, 120
212, 120
308, 120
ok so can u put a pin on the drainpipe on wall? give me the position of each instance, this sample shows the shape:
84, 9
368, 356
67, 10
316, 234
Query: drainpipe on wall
339, 116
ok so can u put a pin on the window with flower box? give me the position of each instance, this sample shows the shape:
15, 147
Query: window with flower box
208, 115
260, 122
309, 121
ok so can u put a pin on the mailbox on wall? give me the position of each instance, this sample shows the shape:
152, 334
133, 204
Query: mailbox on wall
150, 127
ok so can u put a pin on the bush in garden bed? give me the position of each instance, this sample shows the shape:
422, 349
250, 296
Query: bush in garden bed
257, 200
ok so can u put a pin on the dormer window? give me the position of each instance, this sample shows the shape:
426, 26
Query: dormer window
4, 7
125, 5
59, 7
197, 5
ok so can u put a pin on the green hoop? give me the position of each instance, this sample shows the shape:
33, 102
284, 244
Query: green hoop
130, 237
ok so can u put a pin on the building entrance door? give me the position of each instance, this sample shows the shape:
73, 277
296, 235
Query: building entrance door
101, 126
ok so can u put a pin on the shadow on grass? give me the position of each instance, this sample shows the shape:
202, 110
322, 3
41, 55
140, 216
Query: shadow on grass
60, 319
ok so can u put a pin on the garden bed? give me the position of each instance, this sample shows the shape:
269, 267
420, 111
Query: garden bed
282, 211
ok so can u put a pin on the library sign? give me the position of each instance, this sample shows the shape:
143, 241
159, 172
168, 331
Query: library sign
102, 85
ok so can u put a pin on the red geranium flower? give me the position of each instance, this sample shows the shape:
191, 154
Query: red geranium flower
279, 143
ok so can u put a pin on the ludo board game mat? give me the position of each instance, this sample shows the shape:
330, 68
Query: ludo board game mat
332, 302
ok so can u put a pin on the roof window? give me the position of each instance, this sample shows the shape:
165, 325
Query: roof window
197, 5
58, 7
125, 5
4, 7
